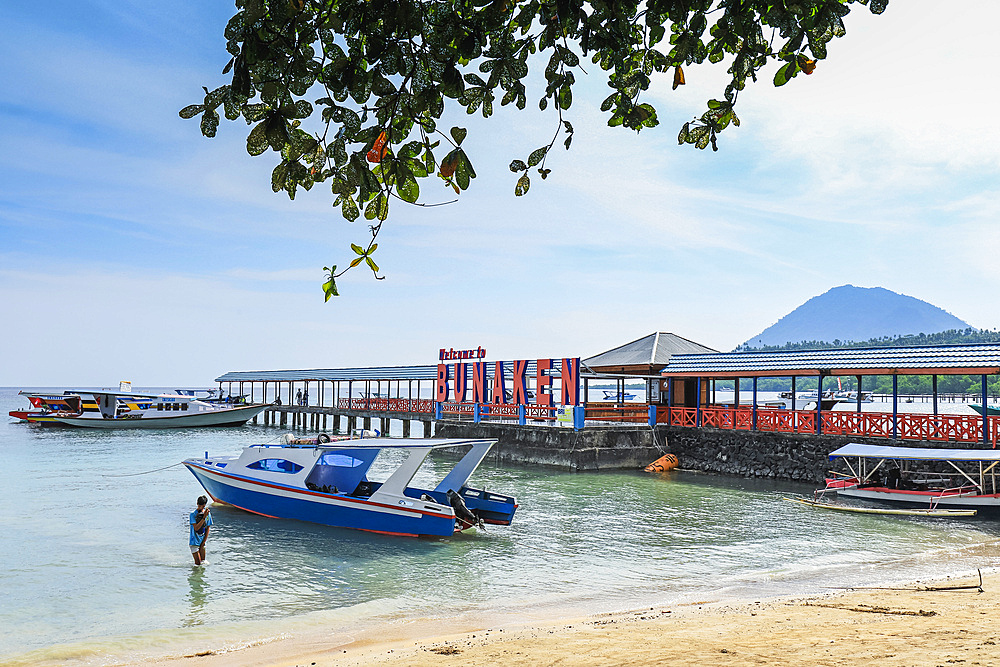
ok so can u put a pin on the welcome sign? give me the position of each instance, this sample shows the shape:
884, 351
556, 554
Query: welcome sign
538, 382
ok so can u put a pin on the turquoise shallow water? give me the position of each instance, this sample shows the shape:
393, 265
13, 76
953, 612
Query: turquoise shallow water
97, 569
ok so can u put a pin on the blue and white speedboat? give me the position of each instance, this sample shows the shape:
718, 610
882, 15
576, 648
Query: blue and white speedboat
325, 480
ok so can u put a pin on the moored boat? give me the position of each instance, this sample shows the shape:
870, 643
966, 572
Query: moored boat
918, 477
45, 408
117, 410
325, 480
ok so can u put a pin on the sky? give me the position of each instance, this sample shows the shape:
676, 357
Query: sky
134, 248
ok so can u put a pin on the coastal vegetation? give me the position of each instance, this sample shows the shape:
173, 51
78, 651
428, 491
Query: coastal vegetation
352, 93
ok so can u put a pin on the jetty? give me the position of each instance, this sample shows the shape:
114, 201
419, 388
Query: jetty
561, 412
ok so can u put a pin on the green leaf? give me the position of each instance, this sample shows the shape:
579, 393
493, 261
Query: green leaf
209, 122
371, 264
785, 73
349, 209
330, 288
537, 155
357, 249
458, 134
517, 165
408, 189
257, 139
191, 111
356, 261
523, 184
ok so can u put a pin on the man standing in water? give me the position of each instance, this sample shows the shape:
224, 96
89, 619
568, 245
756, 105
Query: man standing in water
201, 520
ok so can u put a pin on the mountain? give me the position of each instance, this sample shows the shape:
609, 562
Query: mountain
849, 313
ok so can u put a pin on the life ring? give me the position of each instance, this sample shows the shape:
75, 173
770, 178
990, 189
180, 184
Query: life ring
663, 464
322, 438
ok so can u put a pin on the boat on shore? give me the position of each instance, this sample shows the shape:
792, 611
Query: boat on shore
325, 480
917, 477
991, 410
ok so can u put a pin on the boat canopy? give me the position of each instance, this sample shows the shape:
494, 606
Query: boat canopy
914, 453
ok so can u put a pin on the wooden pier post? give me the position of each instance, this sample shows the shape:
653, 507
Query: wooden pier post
384, 423
367, 421
427, 429
336, 423
351, 423
406, 428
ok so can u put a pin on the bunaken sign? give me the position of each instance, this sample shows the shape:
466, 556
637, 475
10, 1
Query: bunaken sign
551, 379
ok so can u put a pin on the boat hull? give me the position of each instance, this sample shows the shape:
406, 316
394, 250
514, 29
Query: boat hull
339, 510
228, 417
916, 498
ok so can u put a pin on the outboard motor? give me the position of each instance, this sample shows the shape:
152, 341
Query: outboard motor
462, 512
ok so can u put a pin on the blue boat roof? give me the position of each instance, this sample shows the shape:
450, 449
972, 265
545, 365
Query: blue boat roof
914, 453
918, 360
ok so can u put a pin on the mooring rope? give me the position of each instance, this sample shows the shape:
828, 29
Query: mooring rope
133, 474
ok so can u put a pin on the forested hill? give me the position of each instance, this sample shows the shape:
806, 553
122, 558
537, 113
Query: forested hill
849, 314
967, 336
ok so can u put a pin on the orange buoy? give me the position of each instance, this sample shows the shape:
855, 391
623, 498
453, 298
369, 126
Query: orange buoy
663, 464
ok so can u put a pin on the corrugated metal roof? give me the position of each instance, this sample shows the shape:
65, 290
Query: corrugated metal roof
334, 374
656, 349
959, 359
375, 373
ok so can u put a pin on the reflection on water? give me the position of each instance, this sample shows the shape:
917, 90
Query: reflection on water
197, 596
586, 541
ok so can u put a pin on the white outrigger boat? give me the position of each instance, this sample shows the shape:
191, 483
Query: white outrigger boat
325, 480
937, 480
123, 409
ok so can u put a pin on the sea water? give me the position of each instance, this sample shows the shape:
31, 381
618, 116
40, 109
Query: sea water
97, 570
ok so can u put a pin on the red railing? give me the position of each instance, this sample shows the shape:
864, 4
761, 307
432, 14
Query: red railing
458, 408
616, 413
489, 411
387, 404
943, 428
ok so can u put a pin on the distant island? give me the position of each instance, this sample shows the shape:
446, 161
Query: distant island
858, 316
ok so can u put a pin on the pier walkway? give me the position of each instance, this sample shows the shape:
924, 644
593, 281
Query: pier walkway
679, 393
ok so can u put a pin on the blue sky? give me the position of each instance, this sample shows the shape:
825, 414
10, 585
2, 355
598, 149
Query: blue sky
134, 248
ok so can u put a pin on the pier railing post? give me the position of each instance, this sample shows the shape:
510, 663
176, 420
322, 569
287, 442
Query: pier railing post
438, 411
652, 416
521, 417
475, 413
986, 418
579, 417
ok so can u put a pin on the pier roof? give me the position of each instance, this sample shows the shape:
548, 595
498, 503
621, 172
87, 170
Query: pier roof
646, 355
372, 374
980, 359
334, 374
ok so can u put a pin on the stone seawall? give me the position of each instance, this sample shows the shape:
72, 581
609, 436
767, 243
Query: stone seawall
594, 448
801, 458
788, 456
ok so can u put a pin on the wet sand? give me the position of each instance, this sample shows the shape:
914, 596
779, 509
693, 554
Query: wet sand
911, 626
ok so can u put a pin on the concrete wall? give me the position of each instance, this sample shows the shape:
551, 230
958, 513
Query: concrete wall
594, 448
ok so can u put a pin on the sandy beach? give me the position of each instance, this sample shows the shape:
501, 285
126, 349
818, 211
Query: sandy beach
909, 624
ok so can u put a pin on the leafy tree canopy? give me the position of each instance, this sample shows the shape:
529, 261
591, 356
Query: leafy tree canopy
375, 75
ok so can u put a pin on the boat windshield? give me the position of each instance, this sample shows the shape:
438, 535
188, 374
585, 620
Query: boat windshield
343, 469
